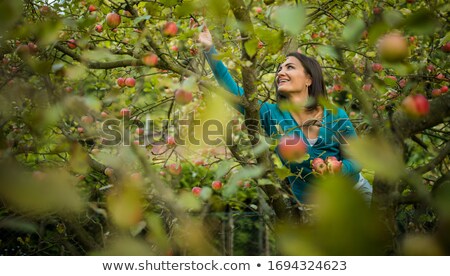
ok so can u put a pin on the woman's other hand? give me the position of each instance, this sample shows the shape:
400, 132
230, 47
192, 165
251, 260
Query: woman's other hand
204, 38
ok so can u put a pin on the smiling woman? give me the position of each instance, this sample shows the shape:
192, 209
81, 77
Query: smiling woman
323, 134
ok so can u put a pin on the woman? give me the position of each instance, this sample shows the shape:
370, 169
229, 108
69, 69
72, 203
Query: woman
299, 80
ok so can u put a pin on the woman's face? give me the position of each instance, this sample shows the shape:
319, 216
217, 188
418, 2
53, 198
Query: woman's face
291, 77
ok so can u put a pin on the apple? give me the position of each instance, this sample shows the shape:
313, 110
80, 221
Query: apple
170, 29
68, 89
109, 171
402, 83
125, 112
367, 87
393, 47
80, 130
314, 35
334, 166
32, 47
291, 148
174, 48
446, 47
182, 96
392, 78
258, 10
87, 119
377, 67
23, 51
216, 185
444, 89
440, 76
113, 20
139, 131
337, 87
104, 114
199, 162
170, 141
174, 169
430, 67
377, 10
331, 158
318, 165
436, 92
196, 191
92, 8
44, 10
72, 43
130, 82
150, 59
99, 28
416, 105
121, 82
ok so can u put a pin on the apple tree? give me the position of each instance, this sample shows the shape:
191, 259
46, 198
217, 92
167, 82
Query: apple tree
116, 139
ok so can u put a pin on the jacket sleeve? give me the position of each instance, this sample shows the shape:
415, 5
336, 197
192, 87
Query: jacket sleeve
223, 76
346, 133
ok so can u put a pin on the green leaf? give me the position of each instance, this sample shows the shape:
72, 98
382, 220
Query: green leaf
141, 18
10, 12
251, 47
291, 19
393, 18
283, 172
423, 22
327, 51
353, 30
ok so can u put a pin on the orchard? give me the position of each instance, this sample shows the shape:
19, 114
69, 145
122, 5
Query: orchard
115, 138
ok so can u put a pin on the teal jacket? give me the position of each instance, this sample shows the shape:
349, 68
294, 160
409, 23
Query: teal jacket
334, 132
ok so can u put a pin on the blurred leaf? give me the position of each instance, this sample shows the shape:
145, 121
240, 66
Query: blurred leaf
185, 9
79, 160
10, 12
125, 205
421, 245
376, 31
378, 155
291, 18
327, 51
125, 246
353, 30
189, 202
19, 225
251, 46
76, 72
273, 39
139, 19
98, 55
393, 18
422, 22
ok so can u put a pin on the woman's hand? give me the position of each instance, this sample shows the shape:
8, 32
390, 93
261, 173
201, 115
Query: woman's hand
204, 38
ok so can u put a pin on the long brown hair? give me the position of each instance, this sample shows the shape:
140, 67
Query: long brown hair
316, 90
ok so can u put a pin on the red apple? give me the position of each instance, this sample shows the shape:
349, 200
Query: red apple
319, 166
99, 28
170, 29
334, 166
393, 47
446, 47
291, 148
440, 76
430, 67
113, 20
402, 83
33, 48
68, 89
87, 119
392, 78
337, 87
416, 105
258, 10
216, 185
130, 82
314, 35
72, 43
367, 87
92, 8
150, 59
377, 10
121, 82
377, 67
125, 112
182, 96
331, 158
174, 169
139, 131
170, 141
196, 191
444, 89
80, 130
174, 48
199, 162
44, 10
436, 92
